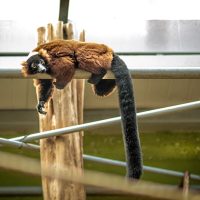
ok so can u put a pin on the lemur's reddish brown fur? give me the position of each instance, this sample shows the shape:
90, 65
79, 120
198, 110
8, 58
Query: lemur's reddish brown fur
65, 56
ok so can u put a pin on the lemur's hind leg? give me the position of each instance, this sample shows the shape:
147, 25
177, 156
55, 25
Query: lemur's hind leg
104, 87
96, 78
101, 87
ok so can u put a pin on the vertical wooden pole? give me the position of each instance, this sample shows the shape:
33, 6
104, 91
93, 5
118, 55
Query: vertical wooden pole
185, 184
64, 109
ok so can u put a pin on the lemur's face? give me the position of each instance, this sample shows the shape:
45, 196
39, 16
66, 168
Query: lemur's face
34, 64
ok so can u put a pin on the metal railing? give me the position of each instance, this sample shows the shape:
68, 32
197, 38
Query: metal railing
164, 72
105, 122
157, 170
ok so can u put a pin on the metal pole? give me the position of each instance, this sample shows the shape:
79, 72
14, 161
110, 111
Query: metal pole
105, 160
146, 168
10, 191
21, 191
165, 72
19, 144
105, 122
63, 12
136, 72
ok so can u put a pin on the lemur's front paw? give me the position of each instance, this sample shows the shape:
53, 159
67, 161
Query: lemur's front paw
40, 107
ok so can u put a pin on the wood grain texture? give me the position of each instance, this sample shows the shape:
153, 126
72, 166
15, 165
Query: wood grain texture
64, 109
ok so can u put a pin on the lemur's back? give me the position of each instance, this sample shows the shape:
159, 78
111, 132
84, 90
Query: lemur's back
87, 55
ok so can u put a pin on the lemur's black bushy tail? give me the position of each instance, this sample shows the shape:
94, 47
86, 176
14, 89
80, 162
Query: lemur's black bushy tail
128, 114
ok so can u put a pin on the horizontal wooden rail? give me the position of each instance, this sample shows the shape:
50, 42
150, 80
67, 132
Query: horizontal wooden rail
22, 191
136, 72
113, 182
143, 66
107, 161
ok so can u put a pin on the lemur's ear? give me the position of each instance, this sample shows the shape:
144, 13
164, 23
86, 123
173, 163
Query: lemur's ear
24, 69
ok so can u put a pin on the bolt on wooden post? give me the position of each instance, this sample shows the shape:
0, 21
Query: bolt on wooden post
64, 109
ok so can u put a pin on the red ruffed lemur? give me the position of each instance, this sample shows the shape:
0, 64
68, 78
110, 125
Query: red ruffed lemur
60, 59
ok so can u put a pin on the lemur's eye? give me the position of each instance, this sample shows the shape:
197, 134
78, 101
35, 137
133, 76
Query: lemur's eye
42, 62
34, 66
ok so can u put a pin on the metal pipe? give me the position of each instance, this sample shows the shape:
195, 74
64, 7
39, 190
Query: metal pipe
18, 191
10, 191
136, 72
105, 122
165, 72
146, 168
21, 191
105, 160
64, 10
13, 54
169, 109
19, 144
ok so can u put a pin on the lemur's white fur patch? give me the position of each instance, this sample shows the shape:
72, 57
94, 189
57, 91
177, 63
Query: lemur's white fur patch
41, 52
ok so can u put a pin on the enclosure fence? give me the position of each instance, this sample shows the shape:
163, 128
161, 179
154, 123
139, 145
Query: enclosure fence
23, 141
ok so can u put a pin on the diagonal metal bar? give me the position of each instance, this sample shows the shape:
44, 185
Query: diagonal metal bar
106, 122
19, 144
104, 160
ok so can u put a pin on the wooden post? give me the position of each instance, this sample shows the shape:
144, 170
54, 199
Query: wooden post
185, 184
64, 109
